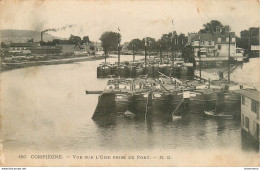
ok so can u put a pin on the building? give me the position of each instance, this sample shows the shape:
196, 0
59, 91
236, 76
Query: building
250, 111
78, 49
214, 48
21, 48
46, 50
67, 48
216, 44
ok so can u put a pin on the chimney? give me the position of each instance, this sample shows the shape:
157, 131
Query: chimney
41, 36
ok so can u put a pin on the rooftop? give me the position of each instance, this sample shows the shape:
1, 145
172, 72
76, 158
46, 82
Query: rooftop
252, 94
20, 44
212, 37
47, 47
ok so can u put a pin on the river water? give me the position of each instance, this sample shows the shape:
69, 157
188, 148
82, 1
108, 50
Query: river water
45, 108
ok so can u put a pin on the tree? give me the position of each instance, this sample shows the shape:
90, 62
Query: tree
172, 40
74, 39
55, 41
211, 27
248, 37
109, 41
182, 41
92, 47
135, 44
187, 54
3, 45
85, 39
165, 42
150, 43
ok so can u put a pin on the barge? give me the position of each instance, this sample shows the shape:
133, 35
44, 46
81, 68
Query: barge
115, 99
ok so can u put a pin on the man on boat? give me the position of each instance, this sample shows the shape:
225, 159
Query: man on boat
221, 75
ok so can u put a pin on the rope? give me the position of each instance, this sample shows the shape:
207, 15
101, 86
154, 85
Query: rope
232, 70
178, 106
164, 75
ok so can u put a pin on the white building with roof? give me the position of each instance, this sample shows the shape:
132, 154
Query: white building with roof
250, 112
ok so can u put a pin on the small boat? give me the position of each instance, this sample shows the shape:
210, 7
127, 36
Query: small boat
129, 114
220, 115
175, 117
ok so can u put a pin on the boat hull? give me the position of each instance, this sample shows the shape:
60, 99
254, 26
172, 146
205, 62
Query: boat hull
105, 106
161, 103
122, 102
197, 103
142, 104
176, 100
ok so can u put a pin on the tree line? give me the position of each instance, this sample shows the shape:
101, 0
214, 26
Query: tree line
72, 40
247, 38
111, 41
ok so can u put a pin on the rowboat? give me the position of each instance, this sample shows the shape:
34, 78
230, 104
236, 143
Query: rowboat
219, 115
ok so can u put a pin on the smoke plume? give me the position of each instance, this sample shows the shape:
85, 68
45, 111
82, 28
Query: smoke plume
58, 29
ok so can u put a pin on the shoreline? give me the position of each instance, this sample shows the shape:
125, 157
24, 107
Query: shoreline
11, 66
7, 66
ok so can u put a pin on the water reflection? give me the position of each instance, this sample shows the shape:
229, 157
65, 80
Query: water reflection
164, 132
248, 143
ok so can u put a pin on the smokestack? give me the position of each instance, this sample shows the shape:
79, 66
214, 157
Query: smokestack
55, 30
42, 36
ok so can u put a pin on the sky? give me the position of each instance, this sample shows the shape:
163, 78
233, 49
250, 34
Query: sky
136, 19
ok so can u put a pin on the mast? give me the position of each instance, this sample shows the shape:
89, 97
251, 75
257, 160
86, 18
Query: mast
118, 47
199, 58
172, 44
228, 57
161, 53
176, 46
133, 53
145, 58
249, 44
172, 50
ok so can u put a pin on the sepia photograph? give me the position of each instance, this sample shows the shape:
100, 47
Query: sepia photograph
113, 83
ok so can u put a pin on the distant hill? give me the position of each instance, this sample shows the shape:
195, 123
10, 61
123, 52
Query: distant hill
10, 35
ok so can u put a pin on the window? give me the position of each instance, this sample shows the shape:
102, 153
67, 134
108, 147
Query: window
219, 47
254, 106
243, 119
247, 123
227, 39
243, 100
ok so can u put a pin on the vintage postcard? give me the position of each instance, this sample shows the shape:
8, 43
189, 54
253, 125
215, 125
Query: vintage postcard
106, 83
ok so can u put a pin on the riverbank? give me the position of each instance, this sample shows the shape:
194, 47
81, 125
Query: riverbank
6, 66
48, 60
